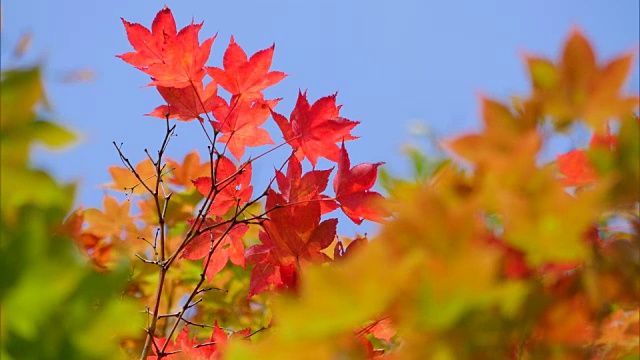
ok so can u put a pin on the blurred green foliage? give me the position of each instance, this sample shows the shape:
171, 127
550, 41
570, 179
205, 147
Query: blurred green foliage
55, 305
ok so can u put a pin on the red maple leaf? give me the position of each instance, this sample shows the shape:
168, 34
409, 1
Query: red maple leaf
284, 246
149, 45
296, 187
181, 348
246, 77
306, 239
230, 246
184, 63
239, 124
219, 340
189, 102
352, 185
172, 60
576, 168
315, 129
266, 275
232, 186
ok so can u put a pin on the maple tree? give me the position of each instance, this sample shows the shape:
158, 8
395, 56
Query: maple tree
206, 211
487, 253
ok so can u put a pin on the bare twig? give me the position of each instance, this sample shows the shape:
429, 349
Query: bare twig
161, 213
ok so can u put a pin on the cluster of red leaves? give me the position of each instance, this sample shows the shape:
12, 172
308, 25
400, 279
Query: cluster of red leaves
176, 63
292, 231
230, 245
301, 202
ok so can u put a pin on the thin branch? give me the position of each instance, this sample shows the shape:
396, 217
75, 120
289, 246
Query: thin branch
147, 261
188, 304
212, 288
130, 167
161, 213
242, 338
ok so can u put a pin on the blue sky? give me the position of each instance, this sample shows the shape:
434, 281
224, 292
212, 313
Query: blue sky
392, 62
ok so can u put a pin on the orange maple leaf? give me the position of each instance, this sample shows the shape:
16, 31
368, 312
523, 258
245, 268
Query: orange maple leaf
125, 181
246, 77
577, 87
191, 168
240, 124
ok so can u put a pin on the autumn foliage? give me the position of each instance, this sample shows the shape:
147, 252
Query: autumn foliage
207, 212
493, 253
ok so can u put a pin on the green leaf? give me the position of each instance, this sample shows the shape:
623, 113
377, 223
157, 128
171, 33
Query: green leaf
52, 135
20, 92
543, 73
